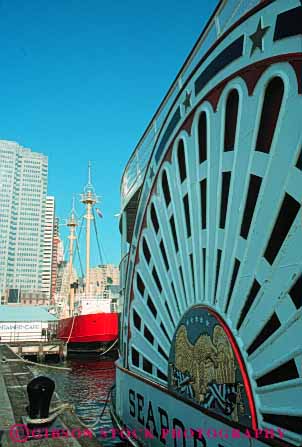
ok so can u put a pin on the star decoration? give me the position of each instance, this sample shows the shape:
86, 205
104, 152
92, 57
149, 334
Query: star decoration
196, 319
257, 37
187, 102
207, 323
200, 319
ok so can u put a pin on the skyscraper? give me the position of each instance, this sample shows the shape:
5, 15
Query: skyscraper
56, 259
23, 186
48, 245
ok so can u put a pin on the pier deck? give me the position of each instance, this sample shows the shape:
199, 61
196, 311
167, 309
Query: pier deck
39, 348
14, 377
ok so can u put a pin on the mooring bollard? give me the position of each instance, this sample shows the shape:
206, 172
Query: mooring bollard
40, 391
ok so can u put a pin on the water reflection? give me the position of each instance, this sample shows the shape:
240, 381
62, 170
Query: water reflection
86, 386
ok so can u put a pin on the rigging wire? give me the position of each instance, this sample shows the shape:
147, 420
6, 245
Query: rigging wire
78, 248
65, 252
79, 256
66, 248
81, 226
103, 251
97, 238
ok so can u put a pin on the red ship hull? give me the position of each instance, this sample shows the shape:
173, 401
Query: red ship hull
92, 328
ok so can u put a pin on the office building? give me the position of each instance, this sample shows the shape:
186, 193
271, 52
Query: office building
101, 276
23, 187
48, 246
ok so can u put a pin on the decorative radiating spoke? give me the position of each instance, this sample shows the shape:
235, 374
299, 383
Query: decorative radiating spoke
222, 231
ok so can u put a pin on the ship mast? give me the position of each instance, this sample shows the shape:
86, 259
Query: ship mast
89, 198
72, 224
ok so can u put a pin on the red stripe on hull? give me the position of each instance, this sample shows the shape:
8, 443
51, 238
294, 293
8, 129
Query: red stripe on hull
101, 327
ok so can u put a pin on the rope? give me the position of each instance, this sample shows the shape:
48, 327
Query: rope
69, 336
101, 415
109, 349
55, 412
28, 362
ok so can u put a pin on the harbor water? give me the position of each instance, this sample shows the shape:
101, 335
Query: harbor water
87, 386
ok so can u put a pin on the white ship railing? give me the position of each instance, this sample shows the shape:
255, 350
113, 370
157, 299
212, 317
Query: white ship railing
227, 12
123, 276
123, 270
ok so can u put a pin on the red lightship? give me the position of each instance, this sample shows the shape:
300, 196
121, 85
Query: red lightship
92, 322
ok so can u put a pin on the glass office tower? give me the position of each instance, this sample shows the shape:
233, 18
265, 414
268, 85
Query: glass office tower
23, 188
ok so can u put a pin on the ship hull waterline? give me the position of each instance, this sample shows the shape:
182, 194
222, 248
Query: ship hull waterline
89, 333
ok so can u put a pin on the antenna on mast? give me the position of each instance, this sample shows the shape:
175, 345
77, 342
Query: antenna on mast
89, 172
89, 186
72, 219
73, 204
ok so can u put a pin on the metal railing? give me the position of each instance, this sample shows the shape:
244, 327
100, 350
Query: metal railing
226, 13
123, 270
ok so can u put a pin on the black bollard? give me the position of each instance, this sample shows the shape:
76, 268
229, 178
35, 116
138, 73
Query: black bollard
40, 391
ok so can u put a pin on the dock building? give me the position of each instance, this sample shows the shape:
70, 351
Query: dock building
19, 323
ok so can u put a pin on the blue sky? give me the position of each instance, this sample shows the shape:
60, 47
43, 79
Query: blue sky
81, 79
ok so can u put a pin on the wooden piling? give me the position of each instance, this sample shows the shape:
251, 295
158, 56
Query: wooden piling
40, 349
63, 351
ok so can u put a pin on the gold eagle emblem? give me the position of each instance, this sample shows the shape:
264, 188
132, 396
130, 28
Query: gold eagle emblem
208, 361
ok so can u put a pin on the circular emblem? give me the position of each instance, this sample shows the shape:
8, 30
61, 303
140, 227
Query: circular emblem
205, 367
